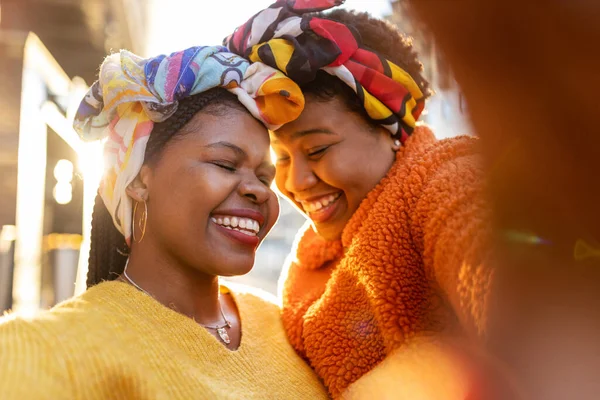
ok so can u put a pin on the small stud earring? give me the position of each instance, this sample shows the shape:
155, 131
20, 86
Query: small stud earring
397, 143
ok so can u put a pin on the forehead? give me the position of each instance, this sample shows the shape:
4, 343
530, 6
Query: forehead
318, 114
322, 116
233, 126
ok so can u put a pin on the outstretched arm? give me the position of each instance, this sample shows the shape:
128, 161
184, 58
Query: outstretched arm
450, 226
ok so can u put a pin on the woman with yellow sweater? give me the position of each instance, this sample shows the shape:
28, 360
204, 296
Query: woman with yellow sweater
185, 198
392, 266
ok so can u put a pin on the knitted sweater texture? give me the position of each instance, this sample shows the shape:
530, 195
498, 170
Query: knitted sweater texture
115, 342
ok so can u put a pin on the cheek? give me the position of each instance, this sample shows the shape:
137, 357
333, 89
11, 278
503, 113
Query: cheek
340, 169
354, 170
173, 206
185, 197
273, 207
280, 177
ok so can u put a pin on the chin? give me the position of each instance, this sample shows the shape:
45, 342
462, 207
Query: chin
329, 233
236, 269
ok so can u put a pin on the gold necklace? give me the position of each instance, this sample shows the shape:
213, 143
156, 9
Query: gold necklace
221, 330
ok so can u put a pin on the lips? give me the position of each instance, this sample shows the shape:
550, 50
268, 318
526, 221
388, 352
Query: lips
321, 208
316, 204
248, 226
242, 225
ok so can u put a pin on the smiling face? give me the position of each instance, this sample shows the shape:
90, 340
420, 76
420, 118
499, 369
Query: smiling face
209, 197
327, 162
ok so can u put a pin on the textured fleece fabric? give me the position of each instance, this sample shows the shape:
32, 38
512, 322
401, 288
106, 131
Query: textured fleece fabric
410, 264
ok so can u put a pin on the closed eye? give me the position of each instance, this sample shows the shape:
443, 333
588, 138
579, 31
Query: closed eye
318, 151
226, 166
267, 173
266, 181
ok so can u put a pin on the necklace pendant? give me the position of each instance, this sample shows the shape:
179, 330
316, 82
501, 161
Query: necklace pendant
223, 335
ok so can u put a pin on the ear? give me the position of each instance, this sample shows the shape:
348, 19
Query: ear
394, 144
139, 188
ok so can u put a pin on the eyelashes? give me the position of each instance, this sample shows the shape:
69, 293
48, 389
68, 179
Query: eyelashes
315, 154
226, 166
318, 152
229, 167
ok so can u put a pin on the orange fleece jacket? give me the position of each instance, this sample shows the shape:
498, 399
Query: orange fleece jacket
410, 261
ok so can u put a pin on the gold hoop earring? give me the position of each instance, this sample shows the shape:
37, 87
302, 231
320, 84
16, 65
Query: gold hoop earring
144, 217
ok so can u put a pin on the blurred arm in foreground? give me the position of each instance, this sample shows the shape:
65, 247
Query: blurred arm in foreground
531, 77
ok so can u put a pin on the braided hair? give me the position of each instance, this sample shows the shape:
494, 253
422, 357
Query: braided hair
109, 251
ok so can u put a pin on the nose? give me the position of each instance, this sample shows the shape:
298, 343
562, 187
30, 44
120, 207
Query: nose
299, 177
255, 190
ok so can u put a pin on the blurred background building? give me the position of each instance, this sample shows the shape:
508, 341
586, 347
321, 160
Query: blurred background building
446, 110
49, 54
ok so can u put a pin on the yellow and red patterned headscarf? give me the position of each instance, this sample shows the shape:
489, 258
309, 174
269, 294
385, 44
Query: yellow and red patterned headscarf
286, 37
133, 93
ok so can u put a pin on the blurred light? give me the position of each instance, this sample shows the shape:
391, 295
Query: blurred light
77, 92
63, 192
63, 171
91, 163
40, 60
42, 75
90, 157
525, 238
274, 161
8, 234
31, 182
169, 30
55, 119
377, 8
584, 250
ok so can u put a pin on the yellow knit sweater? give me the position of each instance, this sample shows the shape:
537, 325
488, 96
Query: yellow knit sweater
114, 342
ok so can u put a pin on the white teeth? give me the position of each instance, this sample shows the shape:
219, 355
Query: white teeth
245, 225
245, 232
321, 203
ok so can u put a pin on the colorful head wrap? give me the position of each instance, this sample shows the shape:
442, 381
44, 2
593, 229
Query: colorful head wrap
299, 45
134, 93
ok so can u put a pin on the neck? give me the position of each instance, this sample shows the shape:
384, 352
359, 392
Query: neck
183, 288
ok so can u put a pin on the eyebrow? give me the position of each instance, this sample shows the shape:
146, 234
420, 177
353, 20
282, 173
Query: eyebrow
313, 131
231, 146
239, 152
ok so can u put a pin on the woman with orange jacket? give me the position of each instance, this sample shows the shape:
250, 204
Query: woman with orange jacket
392, 264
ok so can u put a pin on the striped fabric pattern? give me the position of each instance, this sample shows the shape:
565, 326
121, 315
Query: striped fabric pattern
133, 93
285, 37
